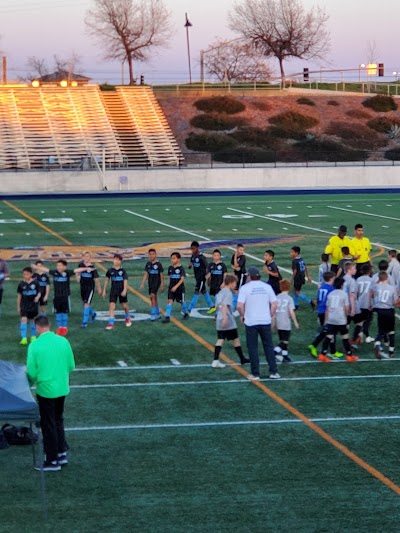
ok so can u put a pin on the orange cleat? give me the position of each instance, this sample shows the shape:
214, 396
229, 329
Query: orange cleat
351, 358
324, 358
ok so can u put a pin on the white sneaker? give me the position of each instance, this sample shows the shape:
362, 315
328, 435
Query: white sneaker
385, 355
368, 340
250, 377
275, 376
217, 364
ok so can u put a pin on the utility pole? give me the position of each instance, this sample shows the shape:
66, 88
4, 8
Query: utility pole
4, 70
188, 25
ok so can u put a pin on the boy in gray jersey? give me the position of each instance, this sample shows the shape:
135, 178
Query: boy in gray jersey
337, 310
225, 322
364, 284
350, 288
394, 266
385, 299
383, 266
283, 321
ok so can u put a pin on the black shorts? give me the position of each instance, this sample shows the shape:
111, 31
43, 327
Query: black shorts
154, 286
87, 294
334, 329
334, 268
200, 286
42, 301
227, 334
321, 318
214, 290
284, 335
115, 297
177, 296
274, 283
61, 305
386, 320
241, 279
29, 313
298, 283
357, 319
366, 315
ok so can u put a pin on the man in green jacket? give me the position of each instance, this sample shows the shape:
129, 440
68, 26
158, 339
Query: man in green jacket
49, 363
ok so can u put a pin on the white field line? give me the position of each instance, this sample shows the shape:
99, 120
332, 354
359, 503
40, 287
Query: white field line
361, 212
227, 381
235, 423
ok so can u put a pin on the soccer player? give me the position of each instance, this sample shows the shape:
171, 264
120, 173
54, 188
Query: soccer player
225, 322
27, 304
334, 247
118, 291
4, 274
385, 299
44, 287
176, 289
394, 266
199, 264
322, 294
271, 268
154, 274
300, 273
346, 258
383, 266
283, 321
337, 309
361, 248
324, 267
351, 289
89, 280
238, 262
215, 276
364, 284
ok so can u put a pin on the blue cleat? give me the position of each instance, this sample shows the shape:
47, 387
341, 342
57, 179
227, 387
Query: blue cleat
94, 315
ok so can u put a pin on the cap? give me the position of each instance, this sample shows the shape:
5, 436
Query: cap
343, 229
254, 273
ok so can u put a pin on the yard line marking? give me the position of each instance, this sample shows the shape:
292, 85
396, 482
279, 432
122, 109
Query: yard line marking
122, 364
361, 212
175, 362
224, 381
278, 422
278, 399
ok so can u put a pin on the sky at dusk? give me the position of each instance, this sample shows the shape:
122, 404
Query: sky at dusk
43, 28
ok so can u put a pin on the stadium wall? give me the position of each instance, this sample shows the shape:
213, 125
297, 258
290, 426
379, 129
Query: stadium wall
203, 179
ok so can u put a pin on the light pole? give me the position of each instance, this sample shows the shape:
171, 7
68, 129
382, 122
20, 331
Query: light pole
362, 66
188, 25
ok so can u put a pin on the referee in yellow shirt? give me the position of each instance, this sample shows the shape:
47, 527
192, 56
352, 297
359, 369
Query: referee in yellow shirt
361, 249
335, 245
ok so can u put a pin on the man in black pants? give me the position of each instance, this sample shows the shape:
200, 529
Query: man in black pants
49, 363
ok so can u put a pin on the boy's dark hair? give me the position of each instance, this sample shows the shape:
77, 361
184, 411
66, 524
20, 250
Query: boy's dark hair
358, 226
366, 270
338, 283
284, 285
63, 262
383, 276
152, 250
118, 256
39, 262
195, 243
240, 245
42, 321
216, 251
176, 254
296, 249
270, 252
392, 253
327, 276
324, 258
27, 269
383, 265
345, 250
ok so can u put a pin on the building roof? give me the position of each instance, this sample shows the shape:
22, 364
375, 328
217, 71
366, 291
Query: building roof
60, 75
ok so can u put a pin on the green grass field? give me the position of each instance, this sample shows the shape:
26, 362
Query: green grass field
163, 447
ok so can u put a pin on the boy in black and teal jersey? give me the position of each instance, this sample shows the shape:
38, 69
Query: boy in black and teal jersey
28, 304
199, 264
118, 292
176, 289
154, 273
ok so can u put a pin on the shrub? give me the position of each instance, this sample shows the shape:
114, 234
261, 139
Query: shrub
383, 124
216, 122
220, 104
380, 103
356, 135
327, 150
281, 133
255, 137
357, 113
393, 154
305, 101
245, 154
333, 103
209, 142
261, 105
293, 121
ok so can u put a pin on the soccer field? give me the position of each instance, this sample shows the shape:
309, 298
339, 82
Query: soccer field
160, 441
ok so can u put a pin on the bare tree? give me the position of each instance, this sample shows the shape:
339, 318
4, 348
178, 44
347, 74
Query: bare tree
39, 66
128, 30
235, 61
282, 28
372, 52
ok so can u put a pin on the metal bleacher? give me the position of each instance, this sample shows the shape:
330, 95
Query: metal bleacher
55, 127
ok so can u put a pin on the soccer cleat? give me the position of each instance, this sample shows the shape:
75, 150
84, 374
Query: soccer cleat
286, 359
368, 340
186, 316
33, 339
84, 325
274, 375
62, 459
244, 361
337, 355
251, 377
313, 350
128, 322
377, 350
23, 341
64, 331
324, 358
49, 466
166, 320
109, 326
359, 340
59, 331
217, 364
385, 355
353, 345
94, 316
211, 311
351, 358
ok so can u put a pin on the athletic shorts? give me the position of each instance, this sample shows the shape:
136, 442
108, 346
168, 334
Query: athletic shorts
177, 296
241, 280
214, 290
87, 294
284, 335
29, 313
42, 301
227, 334
298, 283
321, 318
334, 329
357, 319
386, 320
61, 305
200, 286
115, 297
366, 315
154, 286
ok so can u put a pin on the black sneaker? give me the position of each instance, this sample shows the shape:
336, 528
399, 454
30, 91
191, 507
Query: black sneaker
49, 466
166, 320
244, 361
286, 359
186, 316
62, 459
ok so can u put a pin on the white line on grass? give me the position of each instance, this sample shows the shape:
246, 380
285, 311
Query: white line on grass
361, 212
235, 423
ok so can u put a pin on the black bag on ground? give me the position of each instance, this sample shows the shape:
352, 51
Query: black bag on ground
19, 435
3, 441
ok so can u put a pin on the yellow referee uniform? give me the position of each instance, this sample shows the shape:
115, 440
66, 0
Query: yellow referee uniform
334, 248
361, 247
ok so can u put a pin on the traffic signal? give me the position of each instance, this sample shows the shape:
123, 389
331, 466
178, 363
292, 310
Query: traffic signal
141, 79
381, 69
306, 74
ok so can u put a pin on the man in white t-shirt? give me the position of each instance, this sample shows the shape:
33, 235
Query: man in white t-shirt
257, 304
